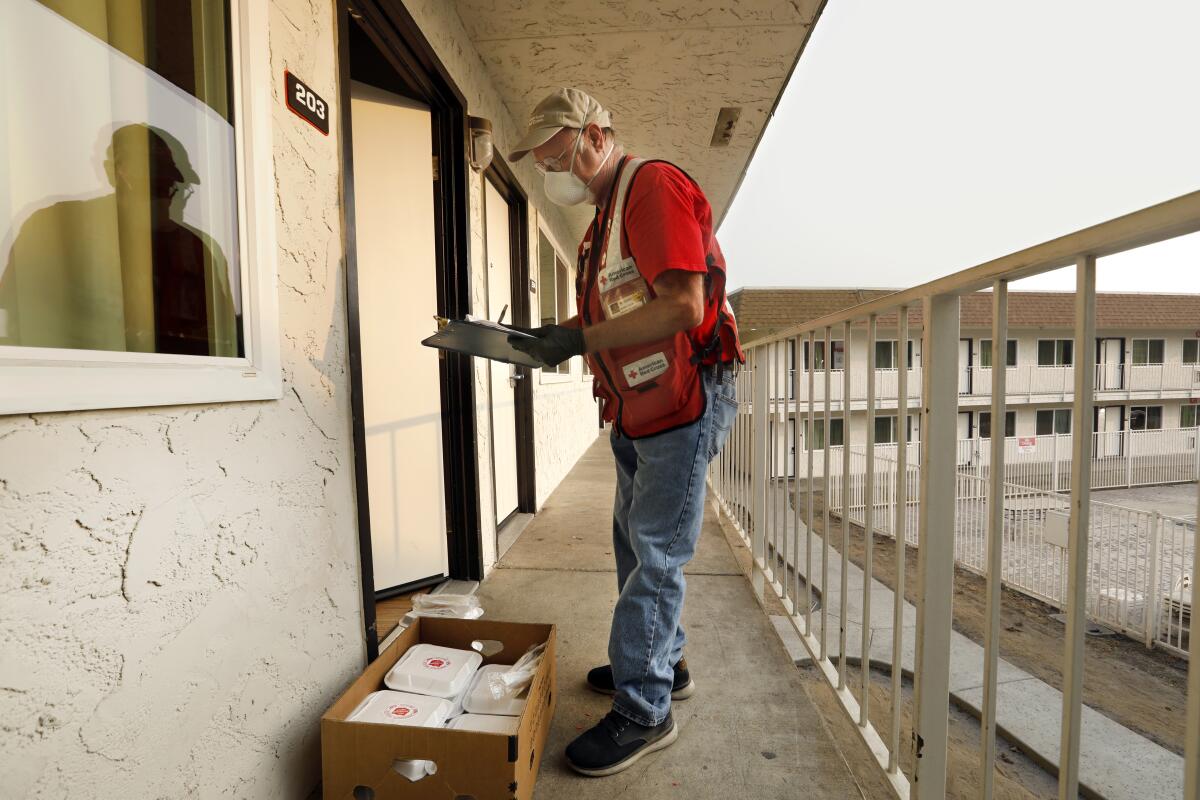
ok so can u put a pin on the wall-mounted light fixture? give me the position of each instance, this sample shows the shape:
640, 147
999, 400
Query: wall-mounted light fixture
481, 142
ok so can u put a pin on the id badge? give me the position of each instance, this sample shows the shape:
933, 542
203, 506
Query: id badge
622, 289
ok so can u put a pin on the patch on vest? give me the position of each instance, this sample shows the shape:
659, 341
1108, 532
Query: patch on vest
618, 274
645, 369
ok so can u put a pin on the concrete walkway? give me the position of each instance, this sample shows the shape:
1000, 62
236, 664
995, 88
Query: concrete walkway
750, 729
1115, 762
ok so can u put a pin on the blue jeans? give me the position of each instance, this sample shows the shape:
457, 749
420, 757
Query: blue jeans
656, 523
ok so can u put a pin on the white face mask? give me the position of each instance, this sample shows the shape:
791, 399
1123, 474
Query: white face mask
566, 188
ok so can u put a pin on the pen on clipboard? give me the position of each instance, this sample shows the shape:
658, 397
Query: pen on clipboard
503, 311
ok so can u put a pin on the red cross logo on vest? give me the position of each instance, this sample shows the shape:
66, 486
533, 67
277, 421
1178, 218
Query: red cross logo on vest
633, 373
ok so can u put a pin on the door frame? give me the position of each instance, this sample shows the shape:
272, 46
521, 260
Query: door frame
404, 47
505, 182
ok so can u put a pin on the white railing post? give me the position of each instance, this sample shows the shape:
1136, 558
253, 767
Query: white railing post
1128, 450
868, 528
808, 446
1191, 748
826, 493
899, 528
758, 472
935, 553
1077, 540
1153, 593
995, 540
845, 583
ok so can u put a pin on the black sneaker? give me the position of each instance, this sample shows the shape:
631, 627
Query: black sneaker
616, 743
600, 680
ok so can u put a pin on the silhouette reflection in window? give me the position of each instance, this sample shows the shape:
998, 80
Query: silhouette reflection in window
122, 271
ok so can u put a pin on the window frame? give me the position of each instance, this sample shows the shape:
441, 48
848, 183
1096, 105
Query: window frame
1148, 340
835, 345
1145, 409
563, 372
1010, 350
1058, 352
1195, 343
1183, 409
1009, 416
44, 379
835, 423
1054, 417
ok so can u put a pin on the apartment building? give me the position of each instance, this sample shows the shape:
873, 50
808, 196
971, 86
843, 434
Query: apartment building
1147, 363
225, 228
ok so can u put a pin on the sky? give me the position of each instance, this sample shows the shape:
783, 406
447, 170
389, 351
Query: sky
918, 139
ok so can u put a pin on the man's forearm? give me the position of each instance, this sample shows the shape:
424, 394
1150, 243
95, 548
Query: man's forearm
661, 317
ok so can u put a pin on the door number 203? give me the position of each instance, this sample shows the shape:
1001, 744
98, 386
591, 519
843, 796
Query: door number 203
306, 103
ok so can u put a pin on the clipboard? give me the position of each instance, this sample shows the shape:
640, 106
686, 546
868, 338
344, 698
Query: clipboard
482, 338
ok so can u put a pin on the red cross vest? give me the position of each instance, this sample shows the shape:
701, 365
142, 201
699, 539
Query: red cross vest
653, 387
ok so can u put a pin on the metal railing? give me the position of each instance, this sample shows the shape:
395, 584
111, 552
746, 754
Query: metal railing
1028, 382
777, 517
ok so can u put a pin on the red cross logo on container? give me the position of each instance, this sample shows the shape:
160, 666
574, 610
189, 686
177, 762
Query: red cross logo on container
401, 711
437, 663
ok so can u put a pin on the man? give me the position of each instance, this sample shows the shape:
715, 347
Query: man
658, 333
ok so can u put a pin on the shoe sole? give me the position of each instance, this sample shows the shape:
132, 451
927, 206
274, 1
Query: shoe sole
682, 693
667, 740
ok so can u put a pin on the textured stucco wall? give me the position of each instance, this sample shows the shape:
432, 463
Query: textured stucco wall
180, 585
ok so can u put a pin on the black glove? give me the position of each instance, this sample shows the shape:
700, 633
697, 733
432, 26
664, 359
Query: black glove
553, 344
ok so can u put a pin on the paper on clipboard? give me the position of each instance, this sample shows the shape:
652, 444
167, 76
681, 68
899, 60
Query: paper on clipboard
482, 338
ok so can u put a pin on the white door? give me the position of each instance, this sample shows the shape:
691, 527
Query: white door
397, 294
964, 363
1109, 424
503, 376
966, 448
1111, 351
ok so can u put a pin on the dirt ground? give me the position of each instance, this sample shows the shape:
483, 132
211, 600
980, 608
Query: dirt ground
1016, 776
1143, 689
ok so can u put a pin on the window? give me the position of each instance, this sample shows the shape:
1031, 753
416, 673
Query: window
835, 433
1145, 418
130, 255
1191, 351
1056, 352
885, 354
839, 355
1053, 420
1187, 416
554, 282
985, 424
1147, 351
985, 353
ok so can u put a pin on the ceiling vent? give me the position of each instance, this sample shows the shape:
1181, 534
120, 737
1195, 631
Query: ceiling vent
726, 121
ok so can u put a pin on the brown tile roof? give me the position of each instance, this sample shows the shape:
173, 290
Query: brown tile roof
761, 312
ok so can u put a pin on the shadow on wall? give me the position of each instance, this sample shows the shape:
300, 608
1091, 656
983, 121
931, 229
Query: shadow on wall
122, 271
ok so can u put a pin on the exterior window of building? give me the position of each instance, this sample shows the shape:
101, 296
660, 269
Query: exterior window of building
885, 430
885, 354
1145, 418
836, 428
1056, 352
1147, 351
985, 424
818, 362
554, 283
985, 353
123, 245
1053, 420
1188, 416
1191, 351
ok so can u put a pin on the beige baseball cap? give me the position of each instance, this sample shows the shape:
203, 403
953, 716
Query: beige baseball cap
562, 108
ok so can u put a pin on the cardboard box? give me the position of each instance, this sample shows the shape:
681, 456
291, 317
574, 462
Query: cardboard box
357, 757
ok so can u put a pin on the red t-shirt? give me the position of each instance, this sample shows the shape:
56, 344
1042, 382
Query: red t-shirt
668, 225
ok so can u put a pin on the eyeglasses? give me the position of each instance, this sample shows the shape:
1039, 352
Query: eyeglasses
554, 163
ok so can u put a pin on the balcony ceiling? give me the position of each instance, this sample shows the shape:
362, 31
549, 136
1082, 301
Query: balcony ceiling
663, 67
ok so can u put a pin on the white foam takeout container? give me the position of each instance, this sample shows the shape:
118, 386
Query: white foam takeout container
479, 699
485, 723
402, 708
433, 670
